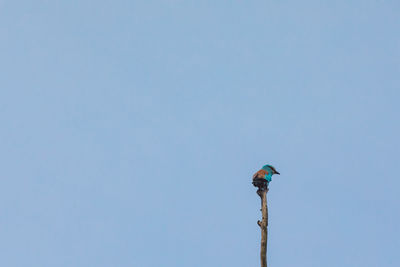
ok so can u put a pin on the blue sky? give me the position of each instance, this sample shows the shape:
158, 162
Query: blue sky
130, 131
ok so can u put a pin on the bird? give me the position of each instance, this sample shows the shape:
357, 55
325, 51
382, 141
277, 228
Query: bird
266, 173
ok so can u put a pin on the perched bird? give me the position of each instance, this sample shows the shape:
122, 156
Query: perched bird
265, 173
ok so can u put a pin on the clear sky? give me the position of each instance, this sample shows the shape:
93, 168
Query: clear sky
130, 131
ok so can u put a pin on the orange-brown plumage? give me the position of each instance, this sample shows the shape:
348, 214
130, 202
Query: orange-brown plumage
260, 174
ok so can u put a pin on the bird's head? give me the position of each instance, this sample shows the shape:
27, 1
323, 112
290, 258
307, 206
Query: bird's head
270, 169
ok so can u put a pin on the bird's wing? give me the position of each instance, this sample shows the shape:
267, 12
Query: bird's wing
260, 174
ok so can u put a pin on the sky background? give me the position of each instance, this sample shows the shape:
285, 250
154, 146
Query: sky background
130, 131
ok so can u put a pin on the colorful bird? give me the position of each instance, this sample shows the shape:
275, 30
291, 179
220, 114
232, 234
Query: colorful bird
265, 173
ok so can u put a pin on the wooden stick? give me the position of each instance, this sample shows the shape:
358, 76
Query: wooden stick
263, 225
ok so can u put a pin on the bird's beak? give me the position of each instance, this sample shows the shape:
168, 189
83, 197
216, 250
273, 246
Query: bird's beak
276, 172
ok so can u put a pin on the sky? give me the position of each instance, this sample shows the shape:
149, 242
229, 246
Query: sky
130, 131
